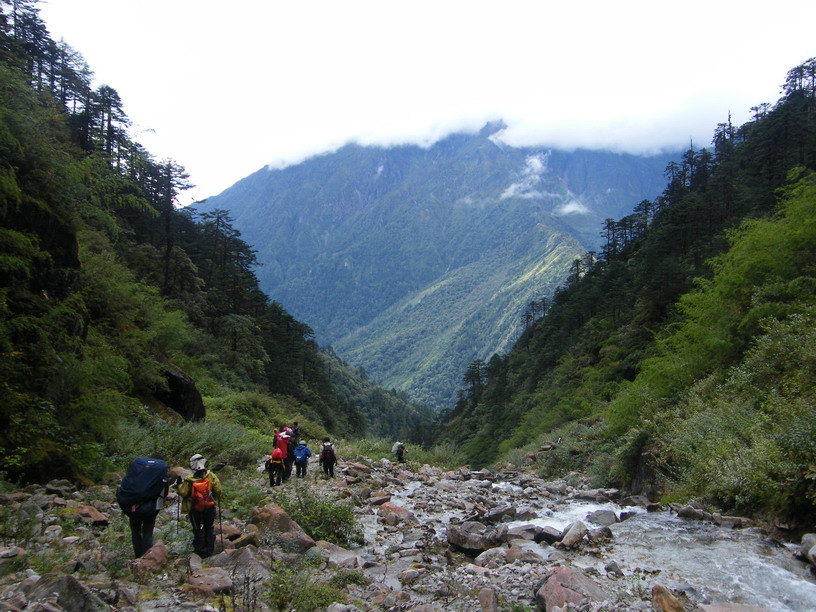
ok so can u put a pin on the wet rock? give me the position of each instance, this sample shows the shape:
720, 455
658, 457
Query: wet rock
527, 532
475, 536
497, 514
70, 594
564, 585
599, 535
613, 569
516, 553
489, 600
664, 601
635, 500
548, 534
806, 546
604, 518
573, 534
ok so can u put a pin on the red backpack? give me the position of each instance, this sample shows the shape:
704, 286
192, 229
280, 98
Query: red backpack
202, 495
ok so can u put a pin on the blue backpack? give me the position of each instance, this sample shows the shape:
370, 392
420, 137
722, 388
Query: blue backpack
144, 482
302, 453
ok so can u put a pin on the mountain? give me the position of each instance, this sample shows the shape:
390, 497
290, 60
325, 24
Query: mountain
681, 364
412, 261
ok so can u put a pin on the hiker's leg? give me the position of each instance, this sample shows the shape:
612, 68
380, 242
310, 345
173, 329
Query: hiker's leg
198, 533
136, 536
148, 523
209, 532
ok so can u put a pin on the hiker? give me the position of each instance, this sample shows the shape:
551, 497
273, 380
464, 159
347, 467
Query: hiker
275, 467
282, 443
290, 458
302, 454
328, 458
296, 432
200, 493
398, 450
141, 495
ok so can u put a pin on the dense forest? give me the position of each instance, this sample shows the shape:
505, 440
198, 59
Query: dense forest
124, 319
679, 361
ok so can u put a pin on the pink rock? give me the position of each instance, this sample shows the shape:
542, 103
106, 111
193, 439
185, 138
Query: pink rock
153, 560
392, 514
288, 533
89, 514
211, 580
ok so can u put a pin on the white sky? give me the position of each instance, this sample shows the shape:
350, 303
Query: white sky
224, 88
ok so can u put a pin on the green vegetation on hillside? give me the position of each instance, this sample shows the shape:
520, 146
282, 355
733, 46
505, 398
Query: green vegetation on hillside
679, 362
115, 305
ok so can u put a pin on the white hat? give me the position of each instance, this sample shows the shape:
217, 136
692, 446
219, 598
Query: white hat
197, 462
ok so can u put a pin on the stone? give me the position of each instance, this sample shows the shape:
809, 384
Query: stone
808, 542
516, 553
91, 516
287, 533
70, 594
488, 600
497, 514
391, 514
664, 601
211, 580
574, 534
731, 608
337, 556
526, 532
564, 585
491, 554
472, 535
604, 518
548, 534
150, 562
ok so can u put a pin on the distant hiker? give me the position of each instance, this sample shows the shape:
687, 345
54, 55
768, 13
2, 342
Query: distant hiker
290, 458
296, 432
398, 450
200, 493
275, 467
141, 495
302, 454
282, 444
328, 458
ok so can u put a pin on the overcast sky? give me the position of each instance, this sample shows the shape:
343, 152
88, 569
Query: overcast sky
225, 88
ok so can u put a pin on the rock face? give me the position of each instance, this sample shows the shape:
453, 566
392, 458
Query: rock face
182, 395
69, 593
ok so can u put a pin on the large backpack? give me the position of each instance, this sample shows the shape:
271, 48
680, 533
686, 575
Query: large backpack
201, 494
144, 482
327, 456
300, 454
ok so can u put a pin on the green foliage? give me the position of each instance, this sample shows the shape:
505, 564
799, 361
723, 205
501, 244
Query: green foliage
298, 586
322, 518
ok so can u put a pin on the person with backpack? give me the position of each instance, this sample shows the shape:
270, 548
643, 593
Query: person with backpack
398, 450
275, 467
328, 458
290, 458
200, 493
302, 454
141, 496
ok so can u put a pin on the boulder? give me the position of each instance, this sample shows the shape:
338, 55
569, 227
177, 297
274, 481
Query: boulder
211, 580
524, 555
286, 533
564, 585
526, 532
491, 554
181, 394
664, 601
488, 600
497, 514
91, 516
70, 594
573, 534
154, 559
475, 536
391, 514
548, 534
337, 556
808, 542
604, 518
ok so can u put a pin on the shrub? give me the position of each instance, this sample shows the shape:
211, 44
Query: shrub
322, 518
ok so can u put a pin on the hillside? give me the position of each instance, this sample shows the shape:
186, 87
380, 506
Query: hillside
126, 322
681, 362
412, 262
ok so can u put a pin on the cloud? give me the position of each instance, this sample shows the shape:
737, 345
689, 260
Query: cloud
573, 207
535, 166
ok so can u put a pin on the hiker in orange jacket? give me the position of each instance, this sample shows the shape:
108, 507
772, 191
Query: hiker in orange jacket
200, 493
275, 467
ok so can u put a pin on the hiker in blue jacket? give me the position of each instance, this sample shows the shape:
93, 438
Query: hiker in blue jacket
302, 454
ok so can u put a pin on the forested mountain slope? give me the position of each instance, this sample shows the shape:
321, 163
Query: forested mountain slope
681, 361
116, 306
413, 261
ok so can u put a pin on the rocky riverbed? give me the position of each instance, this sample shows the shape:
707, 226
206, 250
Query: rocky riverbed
433, 540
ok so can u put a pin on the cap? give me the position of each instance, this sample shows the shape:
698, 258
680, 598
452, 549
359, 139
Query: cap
197, 462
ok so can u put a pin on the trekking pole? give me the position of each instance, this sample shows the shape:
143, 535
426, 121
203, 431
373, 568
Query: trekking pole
178, 512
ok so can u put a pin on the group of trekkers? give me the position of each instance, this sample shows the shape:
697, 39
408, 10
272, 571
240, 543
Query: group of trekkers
142, 491
289, 449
